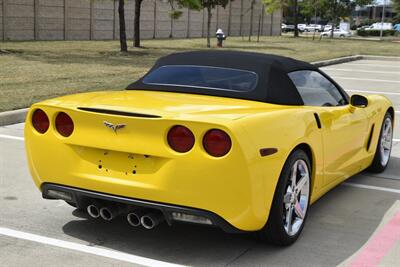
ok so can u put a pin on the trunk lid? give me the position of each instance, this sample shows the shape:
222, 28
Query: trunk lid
162, 104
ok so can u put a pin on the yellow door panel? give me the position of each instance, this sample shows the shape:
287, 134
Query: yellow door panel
344, 131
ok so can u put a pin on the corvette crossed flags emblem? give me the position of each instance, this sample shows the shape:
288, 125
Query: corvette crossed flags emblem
114, 127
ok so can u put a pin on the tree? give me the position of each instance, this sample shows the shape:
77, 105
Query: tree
396, 8
341, 9
192, 4
310, 8
136, 23
176, 14
251, 18
273, 5
209, 5
122, 26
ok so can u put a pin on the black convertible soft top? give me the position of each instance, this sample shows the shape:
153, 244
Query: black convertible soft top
273, 86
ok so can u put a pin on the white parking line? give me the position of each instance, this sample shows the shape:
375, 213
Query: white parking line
367, 64
373, 92
371, 187
363, 79
11, 137
86, 249
367, 71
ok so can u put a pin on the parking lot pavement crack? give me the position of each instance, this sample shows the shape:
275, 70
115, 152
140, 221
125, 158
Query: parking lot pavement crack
239, 256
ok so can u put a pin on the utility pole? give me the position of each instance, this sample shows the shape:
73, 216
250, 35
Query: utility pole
382, 19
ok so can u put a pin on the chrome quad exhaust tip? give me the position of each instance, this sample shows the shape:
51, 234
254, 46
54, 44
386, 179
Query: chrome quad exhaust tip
134, 216
110, 212
93, 211
151, 220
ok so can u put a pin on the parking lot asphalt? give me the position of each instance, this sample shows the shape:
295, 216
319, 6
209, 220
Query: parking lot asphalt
340, 225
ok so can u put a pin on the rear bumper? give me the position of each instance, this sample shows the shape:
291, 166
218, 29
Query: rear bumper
79, 196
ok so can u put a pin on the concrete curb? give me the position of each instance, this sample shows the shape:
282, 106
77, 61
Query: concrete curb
386, 58
13, 116
338, 60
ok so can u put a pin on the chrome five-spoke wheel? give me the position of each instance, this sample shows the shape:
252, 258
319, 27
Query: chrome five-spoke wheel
386, 141
291, 201
295, 201
384, 145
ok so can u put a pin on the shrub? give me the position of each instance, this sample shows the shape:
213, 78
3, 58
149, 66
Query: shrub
375, 32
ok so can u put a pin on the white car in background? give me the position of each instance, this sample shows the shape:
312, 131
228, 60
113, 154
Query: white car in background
336, 33
327, 28
301, 27
379, 26
313, 27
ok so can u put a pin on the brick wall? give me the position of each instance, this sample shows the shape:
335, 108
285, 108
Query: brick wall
98, 20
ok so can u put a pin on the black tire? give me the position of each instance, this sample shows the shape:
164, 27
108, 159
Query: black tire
377, 166
274, 231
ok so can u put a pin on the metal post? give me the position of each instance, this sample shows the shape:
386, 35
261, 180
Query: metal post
91, 19
241, 19
259, 28
251, 19
315, 19
36, 20
65, 19
229, 18
262, 19
188, 24
383, 18
272, 22
4, 20
155, 19
115, 20
202, 26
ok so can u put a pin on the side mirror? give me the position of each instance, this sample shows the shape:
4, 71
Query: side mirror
359, 101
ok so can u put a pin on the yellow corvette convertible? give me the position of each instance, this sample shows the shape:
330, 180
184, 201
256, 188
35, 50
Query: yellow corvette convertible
242, 141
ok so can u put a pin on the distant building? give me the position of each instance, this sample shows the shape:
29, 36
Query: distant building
373, 12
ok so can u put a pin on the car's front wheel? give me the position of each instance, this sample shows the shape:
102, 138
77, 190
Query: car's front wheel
384, 147
291, 201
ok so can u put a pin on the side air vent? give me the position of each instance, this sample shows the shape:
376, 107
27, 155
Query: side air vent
370, 137
120, 113
317, 120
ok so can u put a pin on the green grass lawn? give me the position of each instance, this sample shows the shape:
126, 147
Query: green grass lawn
33, 71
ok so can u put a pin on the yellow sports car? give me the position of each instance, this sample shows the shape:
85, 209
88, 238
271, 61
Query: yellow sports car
241, 141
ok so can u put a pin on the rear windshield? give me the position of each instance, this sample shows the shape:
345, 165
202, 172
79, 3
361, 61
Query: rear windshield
204, 77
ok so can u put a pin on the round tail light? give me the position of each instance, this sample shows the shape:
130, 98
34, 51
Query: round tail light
180, 139
64, 124
40, 121
217, 143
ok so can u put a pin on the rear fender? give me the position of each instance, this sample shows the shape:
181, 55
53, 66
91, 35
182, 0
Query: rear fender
284, 130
